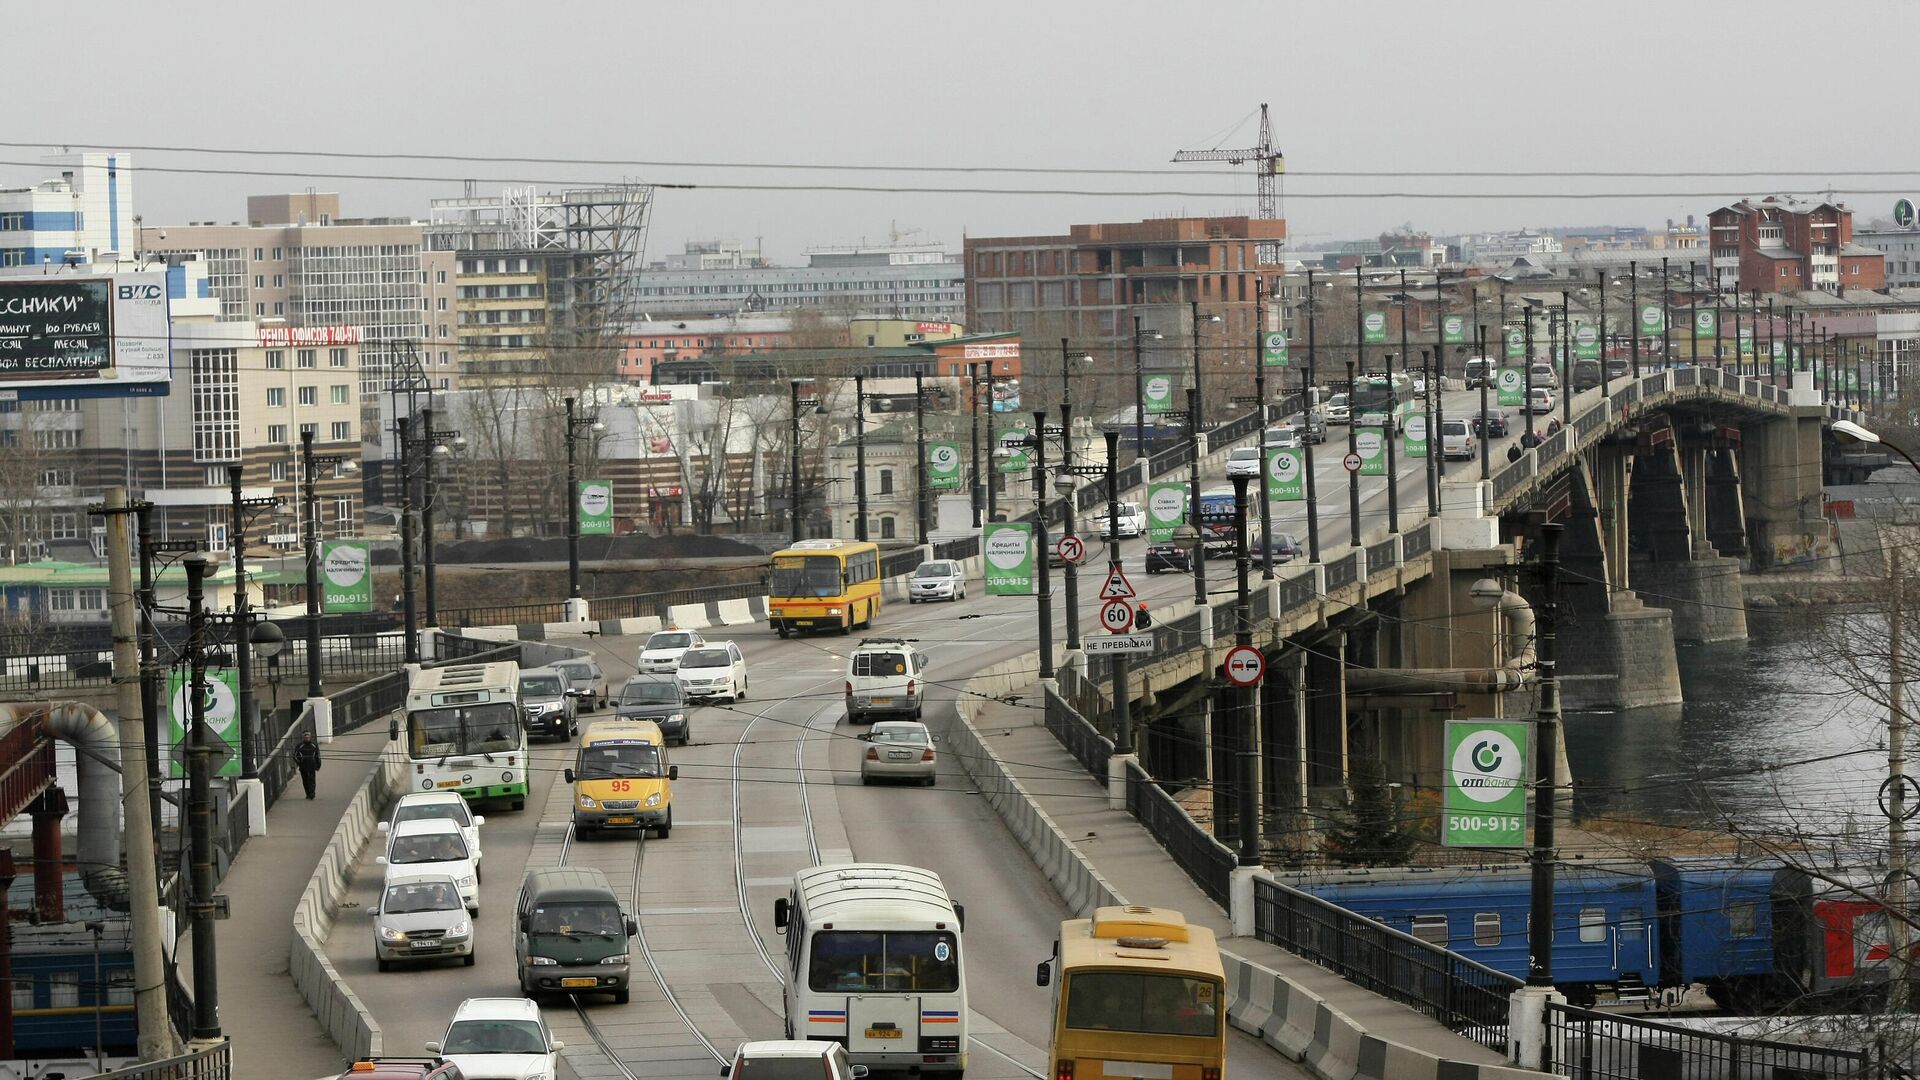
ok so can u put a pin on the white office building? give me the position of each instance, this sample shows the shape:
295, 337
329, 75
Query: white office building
76, 217
921, 282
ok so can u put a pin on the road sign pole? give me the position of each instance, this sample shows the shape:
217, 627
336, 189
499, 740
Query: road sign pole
206, 972
1546, 725
1122, 689
1248, 756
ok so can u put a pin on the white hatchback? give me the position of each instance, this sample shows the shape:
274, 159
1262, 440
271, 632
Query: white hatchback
434, 844
716, 669
500, 1037
451, 805
1243, 461
663, 649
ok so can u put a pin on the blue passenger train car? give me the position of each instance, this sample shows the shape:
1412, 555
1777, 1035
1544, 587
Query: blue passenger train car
1717, 926
1604, 932
58, 1000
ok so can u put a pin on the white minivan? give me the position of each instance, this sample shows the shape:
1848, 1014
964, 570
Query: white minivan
1456, 439
885, 677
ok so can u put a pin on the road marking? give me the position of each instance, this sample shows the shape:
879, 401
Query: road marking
765, 838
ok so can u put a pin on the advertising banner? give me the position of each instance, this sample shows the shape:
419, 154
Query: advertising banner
596, 508
1157, 392
1746, 341
346, 577
220, 709
1512, 386
1706, 323
1273, 349
1014, 459
1586, 342
1486, 784
1286, 475
1166, 510
1453, 330
1414, 441
1653, 320
1371, 445
64, 336
1516, 343
1008, 547
943, 466
1373, 327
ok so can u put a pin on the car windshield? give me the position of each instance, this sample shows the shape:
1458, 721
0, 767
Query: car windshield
811, 1067
427, 847
651, 692
704, 658
494, 1037
917, 736
435, 810
669, 641
477, 729
1454, 427
575, 672
1244, 453
607, 760
416, 896
540, 686
934, 569
586, 917
1150, 1004
1337, 401
805, 575
925, 961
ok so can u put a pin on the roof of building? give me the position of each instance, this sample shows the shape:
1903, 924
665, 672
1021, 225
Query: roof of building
54, 574
1859, 249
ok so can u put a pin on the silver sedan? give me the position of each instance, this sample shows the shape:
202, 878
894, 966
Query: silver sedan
898, 750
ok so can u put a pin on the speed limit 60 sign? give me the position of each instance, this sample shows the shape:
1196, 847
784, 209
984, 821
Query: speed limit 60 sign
1116, 616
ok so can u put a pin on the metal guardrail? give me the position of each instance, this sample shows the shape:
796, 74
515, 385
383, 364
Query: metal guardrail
359, 706
1552, 446
1380, 556
213, 1063
655, 604
1206, 860
1468, 997
893, 564
1090, 748
1617, 1046
1511, 477
1686, 377
962, 547
1176, 636
1343, 571
1417, 542
1296, 592
1225, 621
1589, 422
504, 615
276, 772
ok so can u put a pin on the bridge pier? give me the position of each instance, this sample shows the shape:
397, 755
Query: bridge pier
1673, 564
1781, 489
1605, 629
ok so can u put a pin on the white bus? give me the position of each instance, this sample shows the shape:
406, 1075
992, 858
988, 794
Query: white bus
874, 962
466, 732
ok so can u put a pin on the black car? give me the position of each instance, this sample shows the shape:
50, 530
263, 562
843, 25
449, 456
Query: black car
1492, 424
1168, 557
1286, 548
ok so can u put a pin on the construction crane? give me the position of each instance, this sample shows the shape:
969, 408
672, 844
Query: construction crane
1266, 157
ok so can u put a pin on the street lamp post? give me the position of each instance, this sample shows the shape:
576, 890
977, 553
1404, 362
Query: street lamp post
575, 423
1260, 400
1545, 758
1037, 442
859, 456
310, 496
795, 403
1246, 757
1065, 483
973, 484
202, 907
242, 622
1312, 408
1139, 398
1122, 686
1193, 482
920, 491
1353, 475
1486, 375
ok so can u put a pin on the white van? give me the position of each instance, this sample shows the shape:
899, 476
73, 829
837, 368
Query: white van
1456, 439
1544, 375
885, 677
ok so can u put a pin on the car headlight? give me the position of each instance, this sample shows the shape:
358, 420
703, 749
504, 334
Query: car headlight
620, 959
465, 882
653, 799
459, 929
833, 611
587, 803
542, 961
677, 718
390, 934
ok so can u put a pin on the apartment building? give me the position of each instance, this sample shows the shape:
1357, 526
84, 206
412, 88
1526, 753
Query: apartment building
84, 214
1783, 244
902, 281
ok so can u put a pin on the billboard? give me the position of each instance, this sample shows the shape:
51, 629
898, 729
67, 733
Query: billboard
69, 336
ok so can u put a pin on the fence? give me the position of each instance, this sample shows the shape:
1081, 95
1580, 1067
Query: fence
1090, 748
276, 772
643, 605
361, 705
1416, 542
213, 1063
1381, 556
1343, 571
964, 547
1467, 997
1206, 860
1591, 1045
893, 564
346, 648
504, 615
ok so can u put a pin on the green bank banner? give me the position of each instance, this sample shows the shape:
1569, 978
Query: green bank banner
220, 708
1653, 320
1414, 442
1166, 510
596, 508
1157, 392
1512, 386
1273, 349
346, 577
1008, 547
943, 466
1373, 327
1516, 343
1371, 445
1453, 329
1286, 475
1485, 801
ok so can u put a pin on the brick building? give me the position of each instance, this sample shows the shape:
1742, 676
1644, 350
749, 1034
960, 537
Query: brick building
1783, 245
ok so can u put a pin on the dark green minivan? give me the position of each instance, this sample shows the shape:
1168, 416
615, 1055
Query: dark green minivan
570, 935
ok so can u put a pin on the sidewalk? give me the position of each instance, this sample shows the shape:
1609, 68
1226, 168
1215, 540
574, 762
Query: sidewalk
1141, 871
274, 1032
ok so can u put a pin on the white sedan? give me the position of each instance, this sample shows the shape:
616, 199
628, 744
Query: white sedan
1244, 461
451, 805
663, 650
898, 750
714, 670
503, 1037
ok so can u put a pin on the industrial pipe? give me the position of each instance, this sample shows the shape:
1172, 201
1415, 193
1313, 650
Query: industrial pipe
97, 748
1518, 672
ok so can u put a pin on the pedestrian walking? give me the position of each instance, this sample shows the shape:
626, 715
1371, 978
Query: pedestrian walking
306, 757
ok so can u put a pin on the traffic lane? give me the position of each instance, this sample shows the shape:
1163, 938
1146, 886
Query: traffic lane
413, 1003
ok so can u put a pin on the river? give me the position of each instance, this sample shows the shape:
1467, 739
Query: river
1737, 750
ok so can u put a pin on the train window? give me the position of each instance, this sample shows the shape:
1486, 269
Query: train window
1742, 920
63, 989
22, 992
120, 986
1431, 928
1630, 925
1486, 928
1593, 924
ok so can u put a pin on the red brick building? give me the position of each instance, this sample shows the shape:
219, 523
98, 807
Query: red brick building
1783, 245
648, 343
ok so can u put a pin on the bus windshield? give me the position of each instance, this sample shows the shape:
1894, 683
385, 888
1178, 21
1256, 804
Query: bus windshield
926, 961
1373, 394
1143, 1003
624, 760
806, 575
492, 728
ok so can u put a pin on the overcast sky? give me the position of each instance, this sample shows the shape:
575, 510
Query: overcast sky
1620, 85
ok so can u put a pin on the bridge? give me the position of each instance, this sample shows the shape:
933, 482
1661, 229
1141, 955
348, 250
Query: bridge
1035, 817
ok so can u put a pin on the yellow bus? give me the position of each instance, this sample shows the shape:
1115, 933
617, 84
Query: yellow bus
621, 779
1139, 993
824, 585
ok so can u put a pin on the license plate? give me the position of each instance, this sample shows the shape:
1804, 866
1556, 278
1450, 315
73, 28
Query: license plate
579, 982
880, 701
449, 783
883, 1033
900, 755
620, 821
426, 944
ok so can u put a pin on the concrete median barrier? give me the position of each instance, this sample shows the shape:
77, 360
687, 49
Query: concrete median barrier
688, 616
736, 613
346, 1019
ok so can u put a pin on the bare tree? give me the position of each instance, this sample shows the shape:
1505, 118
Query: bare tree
26, 457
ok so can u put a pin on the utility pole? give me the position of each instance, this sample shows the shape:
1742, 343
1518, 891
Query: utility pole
1312, 408
1897, 987
410, 635
1122, 686
993, 469
1666, 316
143, 889
1068, 496
242, 624
1393, 417
1038, 442
1633, 319
202, 906
793, 460
1436, 445
920, 459
1353, 475
1139, 398
1247, 758
1606, 362
1194, 402
427, 467
1197, 516
149, 671
859, 456
1566, 361
311, 498
973, 486
1545, 756
1260, 397
1487, 370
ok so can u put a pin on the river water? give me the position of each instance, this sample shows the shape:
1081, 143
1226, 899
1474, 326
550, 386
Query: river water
1737, 750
